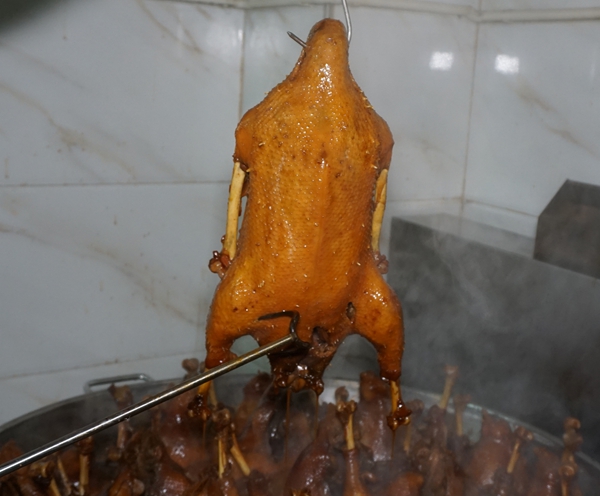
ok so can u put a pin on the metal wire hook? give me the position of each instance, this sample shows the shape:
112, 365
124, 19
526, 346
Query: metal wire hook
348, 21
348, 27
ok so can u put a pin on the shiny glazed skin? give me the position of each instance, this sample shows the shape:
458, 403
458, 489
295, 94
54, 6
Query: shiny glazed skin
312, 152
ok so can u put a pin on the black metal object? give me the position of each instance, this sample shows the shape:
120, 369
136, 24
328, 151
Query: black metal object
568, 231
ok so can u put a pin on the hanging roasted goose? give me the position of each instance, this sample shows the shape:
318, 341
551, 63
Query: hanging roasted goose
312, 159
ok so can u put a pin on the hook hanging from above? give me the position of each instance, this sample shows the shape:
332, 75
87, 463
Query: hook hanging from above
348, 21
348, 27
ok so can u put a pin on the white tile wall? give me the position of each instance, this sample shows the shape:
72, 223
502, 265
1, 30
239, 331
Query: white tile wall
116, 135
23, 394
416, 70
93, 274
120, 91
535, 113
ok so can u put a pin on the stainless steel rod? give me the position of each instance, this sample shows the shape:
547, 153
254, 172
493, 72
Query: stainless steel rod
138, 408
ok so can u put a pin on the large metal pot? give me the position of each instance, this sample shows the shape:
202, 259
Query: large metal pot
46, 424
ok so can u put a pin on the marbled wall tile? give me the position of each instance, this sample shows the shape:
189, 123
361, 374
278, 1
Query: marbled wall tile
120, 91
102, 273
24, 394
537, 4
535, 116
416, 70
269, 53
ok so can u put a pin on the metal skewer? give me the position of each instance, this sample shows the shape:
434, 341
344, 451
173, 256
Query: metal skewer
75, 436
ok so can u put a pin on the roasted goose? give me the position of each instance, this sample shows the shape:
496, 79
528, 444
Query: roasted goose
312, 159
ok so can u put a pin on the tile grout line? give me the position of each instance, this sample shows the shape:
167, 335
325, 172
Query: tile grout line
242, 65
425, 200
473, 14
470, 119
101, 185
504, 209
97, 365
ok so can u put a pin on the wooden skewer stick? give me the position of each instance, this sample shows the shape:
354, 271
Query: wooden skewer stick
523, 436
220, 457
233, 210
63, 475
451, 372
221, 261
400, 412
54, 488
205, 402
238, 456
407, 439
84, 470
460, 404
353, 485
345, 412
203, 389
380, 199
212, 395
222, 422
200, 406
395, 393
567, 472
86, 447
349, 428
44, 470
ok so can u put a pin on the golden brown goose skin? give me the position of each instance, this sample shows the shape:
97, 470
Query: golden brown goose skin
312, 153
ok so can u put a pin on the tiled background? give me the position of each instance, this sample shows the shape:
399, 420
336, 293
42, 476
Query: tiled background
116, 134
537, 4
